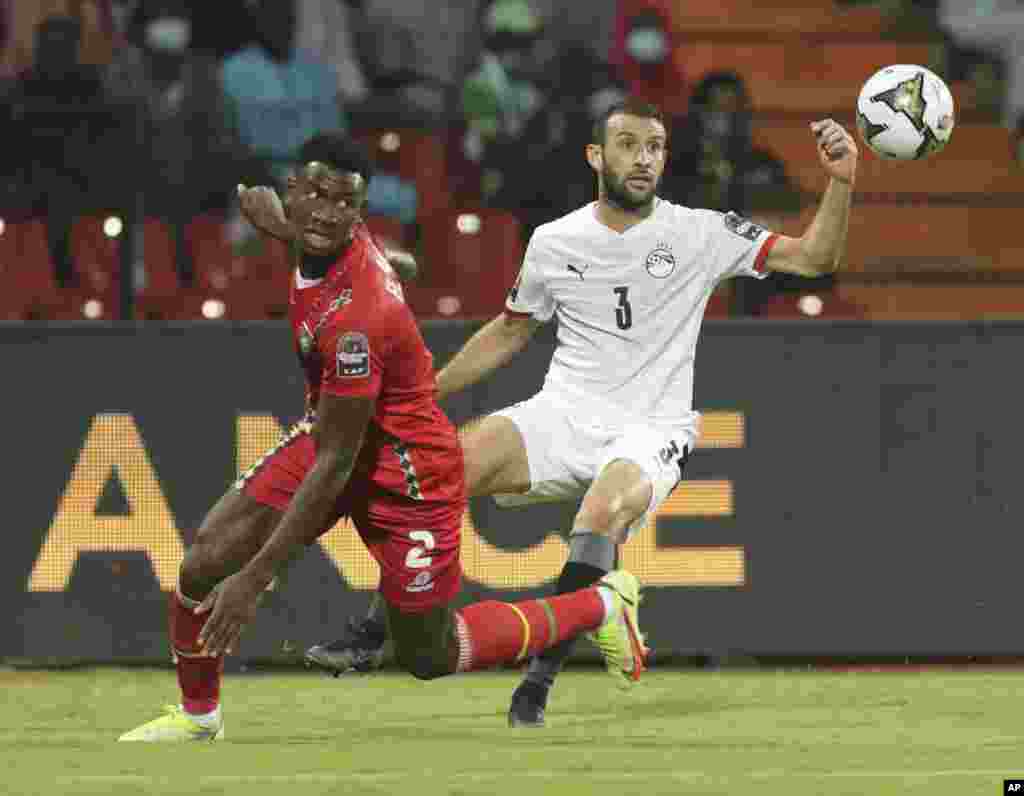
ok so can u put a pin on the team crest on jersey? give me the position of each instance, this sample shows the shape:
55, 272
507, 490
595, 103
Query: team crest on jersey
660, 262
353, 356
738, 225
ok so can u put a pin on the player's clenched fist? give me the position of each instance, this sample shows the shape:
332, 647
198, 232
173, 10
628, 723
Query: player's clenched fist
262, 207
836, 149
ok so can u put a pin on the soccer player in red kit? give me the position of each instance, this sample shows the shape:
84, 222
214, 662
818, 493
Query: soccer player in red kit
373, 446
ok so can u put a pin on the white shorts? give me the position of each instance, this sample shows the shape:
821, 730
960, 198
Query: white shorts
567, 448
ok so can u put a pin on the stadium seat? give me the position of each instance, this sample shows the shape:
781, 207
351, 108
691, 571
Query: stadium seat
25, 263
212, 252
388, 232
158, 253
718, 305
476, 254
96, 255
955, 301
436, 303
415, 156
978, 160
822, 305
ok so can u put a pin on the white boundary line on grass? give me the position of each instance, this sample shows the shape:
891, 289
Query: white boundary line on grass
329, 777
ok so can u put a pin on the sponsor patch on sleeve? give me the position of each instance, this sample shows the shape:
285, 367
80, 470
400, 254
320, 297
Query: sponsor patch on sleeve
738, 225
353, 356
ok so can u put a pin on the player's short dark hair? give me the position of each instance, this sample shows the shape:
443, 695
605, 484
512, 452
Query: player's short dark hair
630, 107
339, 152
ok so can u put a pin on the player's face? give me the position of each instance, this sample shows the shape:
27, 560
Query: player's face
632, 160
325, 204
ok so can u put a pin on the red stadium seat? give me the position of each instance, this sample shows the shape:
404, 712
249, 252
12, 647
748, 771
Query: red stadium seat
387, 232
95, 254
212, 252
25, 264
718, 305
158, 253
824, 305
475, 254
414, 156
435, 303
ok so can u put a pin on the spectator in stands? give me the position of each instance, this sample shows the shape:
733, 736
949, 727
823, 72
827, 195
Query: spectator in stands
23, 17
323, 28
590, 26
642, 51
189, 156
415, 54
996, 26
506, 91
584, 89
55, 127
711, 145
715, 165
281, 95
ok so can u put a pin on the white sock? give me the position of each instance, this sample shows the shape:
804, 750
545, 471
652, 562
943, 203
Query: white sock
211, 719
608, 600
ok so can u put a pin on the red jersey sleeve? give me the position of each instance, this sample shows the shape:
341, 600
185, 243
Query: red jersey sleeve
353, 353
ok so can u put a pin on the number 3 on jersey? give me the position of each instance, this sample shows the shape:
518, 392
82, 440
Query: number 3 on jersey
623, 312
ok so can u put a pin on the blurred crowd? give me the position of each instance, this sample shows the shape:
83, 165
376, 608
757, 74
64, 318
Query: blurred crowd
158, 108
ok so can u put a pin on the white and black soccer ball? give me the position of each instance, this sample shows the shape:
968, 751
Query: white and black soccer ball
905, 112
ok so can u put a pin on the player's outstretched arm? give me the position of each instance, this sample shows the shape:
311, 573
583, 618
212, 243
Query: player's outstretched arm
263, 209
486, 351
340, 427
820, 250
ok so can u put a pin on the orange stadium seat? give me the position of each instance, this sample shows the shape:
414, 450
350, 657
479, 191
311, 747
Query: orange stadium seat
977, 160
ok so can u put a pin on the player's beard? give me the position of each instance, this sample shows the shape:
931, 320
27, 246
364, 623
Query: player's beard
618, 194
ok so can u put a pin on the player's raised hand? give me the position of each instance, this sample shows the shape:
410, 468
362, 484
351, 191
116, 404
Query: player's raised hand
232, 605
263, 208
836, 149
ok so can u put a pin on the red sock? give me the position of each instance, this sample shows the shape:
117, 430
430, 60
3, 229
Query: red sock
198, 674
491, 632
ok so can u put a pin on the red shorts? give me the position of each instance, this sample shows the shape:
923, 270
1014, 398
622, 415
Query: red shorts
415, 542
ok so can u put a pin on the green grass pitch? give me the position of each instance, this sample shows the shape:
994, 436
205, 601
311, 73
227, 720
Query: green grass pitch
741, 732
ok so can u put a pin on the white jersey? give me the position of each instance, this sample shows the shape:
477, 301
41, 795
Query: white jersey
630, 305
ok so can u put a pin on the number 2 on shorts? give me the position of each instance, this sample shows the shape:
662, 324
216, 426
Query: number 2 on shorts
417, 557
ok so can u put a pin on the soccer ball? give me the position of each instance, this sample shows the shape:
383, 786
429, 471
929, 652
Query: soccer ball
905, 112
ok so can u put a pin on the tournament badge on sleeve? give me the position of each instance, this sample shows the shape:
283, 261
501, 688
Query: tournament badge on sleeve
353, 356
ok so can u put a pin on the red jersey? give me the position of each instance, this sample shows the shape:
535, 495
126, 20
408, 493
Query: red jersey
355, 336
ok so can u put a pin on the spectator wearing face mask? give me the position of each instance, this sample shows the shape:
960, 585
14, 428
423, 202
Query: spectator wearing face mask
711, 145
642, 51
188, 155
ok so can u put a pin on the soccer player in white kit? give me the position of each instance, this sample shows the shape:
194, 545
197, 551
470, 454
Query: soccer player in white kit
628, 278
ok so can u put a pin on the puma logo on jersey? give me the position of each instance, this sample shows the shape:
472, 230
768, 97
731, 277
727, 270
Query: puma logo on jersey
578, 269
